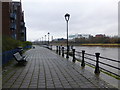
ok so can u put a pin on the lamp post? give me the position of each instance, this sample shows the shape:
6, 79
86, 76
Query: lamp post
51, 38
42, 40
45, 39
48, 38
67, 16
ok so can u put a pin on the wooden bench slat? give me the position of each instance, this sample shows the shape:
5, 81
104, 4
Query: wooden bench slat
19, 58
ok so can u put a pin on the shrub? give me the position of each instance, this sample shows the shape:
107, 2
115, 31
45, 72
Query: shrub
9, 43
26, 43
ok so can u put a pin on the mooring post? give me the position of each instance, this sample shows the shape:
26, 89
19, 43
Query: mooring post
83, 62
73, 55
51, 47
97, 71
72, 47
59, 50
62, 51
56, 49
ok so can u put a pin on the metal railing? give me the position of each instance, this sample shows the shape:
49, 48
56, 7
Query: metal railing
47, 46
85, 59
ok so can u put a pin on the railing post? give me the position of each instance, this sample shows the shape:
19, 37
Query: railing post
73, 55
67, 56
56, 49
59, 50
62, 51
83, 62
97, 71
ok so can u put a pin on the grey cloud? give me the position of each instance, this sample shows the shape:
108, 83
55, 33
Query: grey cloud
92, 18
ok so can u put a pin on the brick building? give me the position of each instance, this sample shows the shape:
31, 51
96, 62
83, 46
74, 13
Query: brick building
100, 35
13, 24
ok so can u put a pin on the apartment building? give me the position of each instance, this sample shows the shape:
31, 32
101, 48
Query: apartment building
13, 24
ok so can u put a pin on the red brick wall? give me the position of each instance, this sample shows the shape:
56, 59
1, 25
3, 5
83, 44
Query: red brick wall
6, 18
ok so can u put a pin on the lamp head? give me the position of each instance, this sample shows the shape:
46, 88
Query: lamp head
67, 16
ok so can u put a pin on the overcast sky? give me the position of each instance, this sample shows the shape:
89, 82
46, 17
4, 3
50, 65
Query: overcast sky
86, 17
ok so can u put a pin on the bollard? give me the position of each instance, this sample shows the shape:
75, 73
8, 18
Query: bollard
67, 56
56, 49
62, 51
97, 71
51, 47
83, 62
59, 50
73, 55
72, 47
48, 46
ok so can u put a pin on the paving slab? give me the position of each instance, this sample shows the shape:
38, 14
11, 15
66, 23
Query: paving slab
46, 69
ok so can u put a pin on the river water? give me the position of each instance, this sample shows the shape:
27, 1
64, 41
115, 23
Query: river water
109, 52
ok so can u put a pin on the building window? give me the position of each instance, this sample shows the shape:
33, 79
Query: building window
14, 35
13, 26
13, 16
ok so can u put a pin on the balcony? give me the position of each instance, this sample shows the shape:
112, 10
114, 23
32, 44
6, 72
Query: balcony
23, 31
13, 26
13, 16
22, 38
14, 36
22, 23
15, 8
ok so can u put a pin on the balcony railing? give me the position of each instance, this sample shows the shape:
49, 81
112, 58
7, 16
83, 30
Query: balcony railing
14, 35
22, 23
22, 31
13, 16
13, 26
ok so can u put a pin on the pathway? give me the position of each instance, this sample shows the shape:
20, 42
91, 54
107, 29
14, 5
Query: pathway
46, 69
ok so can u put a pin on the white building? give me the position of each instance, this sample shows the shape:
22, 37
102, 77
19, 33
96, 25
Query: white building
73, 36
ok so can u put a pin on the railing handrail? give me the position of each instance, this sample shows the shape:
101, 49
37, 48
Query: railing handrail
102, 62
100, 57
109, 59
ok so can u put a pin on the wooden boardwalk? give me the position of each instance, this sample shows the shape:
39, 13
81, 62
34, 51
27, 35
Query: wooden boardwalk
46, 69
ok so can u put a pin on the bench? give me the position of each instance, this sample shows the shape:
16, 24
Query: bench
20, 50
20, 59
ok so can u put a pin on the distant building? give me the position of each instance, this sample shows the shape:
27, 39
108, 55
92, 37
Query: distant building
59, 39
13, 24
79, 36
72, 36
100, 35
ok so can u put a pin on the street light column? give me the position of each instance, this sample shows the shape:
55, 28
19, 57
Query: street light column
48, 38
42, 40
45, 39
67, 42
67, 16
